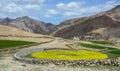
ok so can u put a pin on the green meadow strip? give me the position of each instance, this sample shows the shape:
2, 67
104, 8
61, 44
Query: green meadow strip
13, 43
97, 46
102, 42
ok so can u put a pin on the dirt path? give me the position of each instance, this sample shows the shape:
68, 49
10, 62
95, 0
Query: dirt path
57, 43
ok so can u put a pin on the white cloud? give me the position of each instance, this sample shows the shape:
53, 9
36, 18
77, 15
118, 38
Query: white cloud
34, 17
47, 16
12, 8
30, 1
52, 11
89, 9
60, 5
30, 6
110, 4
71, 9
71, 14
21, 6
77, 9
73, 5
69, 6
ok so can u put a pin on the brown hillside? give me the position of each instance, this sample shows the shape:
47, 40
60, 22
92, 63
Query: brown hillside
80, 26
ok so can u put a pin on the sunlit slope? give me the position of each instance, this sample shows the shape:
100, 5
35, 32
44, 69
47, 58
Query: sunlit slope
9, 31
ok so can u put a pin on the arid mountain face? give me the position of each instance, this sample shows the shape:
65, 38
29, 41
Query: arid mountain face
5, 21
27, 24
114, 13
50, 27
109, 20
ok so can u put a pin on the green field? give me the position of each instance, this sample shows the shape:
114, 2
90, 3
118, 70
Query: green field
69, 55
101, 42
117, 52
13, 43
112, 52
94, 46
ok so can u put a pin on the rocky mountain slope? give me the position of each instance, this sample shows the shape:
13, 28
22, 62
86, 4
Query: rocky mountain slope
28, 24
109, 21
50, 27
5, 21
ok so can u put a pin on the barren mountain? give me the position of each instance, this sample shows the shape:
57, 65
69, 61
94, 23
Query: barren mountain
5, 21
28, 24
50, 27
109, 20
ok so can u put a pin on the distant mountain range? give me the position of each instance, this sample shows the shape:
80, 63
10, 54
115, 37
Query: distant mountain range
105, 24
28, 24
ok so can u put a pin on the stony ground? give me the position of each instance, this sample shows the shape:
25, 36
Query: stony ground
9, 64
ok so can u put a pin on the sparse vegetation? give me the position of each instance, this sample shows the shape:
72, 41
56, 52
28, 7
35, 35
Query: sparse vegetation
13, 43
101, 42
69, 55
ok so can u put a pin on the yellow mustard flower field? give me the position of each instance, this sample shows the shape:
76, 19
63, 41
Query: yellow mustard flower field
69, 55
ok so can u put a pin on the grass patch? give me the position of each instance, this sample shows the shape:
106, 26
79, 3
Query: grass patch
13, 43
112, 56
111, 52
102, 42
97, 46
112, 48
117, 52
69, 55
93, 46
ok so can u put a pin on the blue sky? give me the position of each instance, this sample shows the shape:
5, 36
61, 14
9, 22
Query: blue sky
54, 11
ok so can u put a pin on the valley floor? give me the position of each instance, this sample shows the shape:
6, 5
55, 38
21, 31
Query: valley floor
8, 63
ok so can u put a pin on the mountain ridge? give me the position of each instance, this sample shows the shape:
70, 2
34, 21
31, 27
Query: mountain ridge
28, 24
107, 19
72, 27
